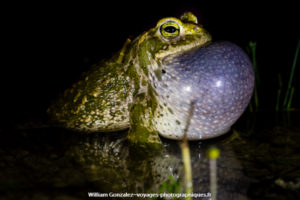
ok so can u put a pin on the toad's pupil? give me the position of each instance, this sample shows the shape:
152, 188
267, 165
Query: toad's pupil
170, 29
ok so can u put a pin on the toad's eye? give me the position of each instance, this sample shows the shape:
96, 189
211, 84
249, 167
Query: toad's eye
169, 30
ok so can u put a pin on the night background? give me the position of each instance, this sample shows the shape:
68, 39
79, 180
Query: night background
47, 46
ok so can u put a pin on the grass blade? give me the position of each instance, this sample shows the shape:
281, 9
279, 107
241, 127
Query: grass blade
289, 95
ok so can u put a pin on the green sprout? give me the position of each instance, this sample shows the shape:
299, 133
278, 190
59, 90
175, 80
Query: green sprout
171, 185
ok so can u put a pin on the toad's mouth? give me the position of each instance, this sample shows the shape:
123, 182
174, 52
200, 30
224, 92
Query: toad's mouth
186, 46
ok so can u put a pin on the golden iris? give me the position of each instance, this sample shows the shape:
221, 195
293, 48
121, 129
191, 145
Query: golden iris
170, 30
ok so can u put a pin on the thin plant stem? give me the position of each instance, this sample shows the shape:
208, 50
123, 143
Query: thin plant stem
290, 99
213, 178
278, 100
253, 53
278, 92
288, 95
213, 155
250, 107
186, 156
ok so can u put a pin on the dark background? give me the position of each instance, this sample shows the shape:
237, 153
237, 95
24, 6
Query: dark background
46, 46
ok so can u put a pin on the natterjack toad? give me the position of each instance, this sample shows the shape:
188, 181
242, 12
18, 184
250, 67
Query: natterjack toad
149, 85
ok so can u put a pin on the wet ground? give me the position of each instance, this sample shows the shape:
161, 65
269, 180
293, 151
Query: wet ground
259, 160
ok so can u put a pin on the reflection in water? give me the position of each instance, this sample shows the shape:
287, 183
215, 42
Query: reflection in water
40, 163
